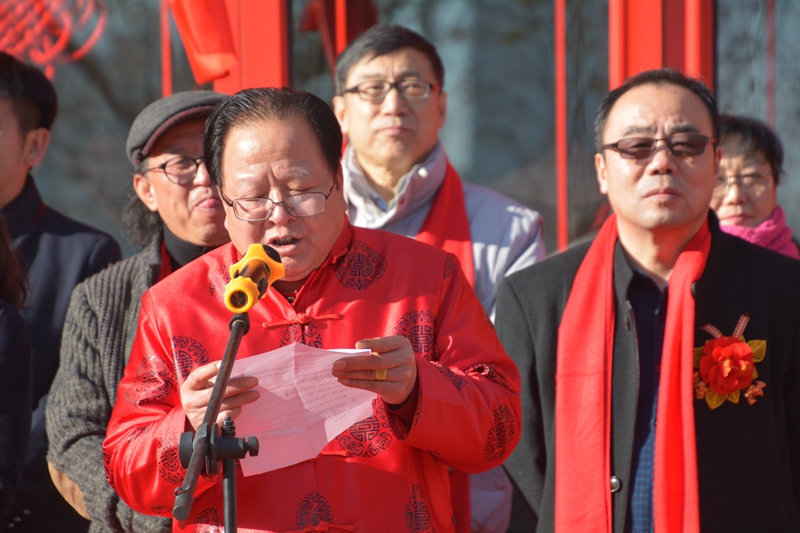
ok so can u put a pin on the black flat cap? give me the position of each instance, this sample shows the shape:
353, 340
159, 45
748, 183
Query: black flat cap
166, 113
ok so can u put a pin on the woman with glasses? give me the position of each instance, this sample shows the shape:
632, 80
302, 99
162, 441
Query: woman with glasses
745, 198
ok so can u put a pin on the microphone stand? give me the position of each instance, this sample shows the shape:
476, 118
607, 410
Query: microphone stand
208, 446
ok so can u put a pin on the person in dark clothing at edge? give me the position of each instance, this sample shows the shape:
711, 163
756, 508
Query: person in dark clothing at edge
16, 378
660, 363
57, 253
177, 216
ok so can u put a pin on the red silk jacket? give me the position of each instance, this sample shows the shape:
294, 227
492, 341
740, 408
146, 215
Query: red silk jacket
381, 475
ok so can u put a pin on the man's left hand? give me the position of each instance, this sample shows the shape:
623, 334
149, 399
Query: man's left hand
391, 369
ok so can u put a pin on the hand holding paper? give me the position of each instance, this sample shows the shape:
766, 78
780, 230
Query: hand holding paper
301, 406
196, 394
392, 354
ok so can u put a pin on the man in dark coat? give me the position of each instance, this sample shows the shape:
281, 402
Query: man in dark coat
661, 363
57, 254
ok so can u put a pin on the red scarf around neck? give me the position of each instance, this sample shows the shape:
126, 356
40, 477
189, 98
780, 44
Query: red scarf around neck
447, 225
583, 395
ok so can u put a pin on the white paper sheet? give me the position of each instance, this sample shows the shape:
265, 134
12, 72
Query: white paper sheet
302, 406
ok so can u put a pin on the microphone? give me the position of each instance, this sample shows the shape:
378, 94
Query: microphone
260, 267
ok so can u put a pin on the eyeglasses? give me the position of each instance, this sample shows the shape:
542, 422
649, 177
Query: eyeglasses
679, 145
181, 169
753, 183
305, 204
376, 90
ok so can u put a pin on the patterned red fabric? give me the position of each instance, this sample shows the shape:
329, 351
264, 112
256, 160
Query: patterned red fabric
374, 476
583, 395
447, 224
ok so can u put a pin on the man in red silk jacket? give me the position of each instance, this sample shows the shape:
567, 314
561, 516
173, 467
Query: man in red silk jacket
446, 392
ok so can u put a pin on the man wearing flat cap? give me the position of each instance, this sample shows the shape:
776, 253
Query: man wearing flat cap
176, 214
57, 253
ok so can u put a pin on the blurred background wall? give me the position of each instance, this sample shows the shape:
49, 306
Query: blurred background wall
498, 57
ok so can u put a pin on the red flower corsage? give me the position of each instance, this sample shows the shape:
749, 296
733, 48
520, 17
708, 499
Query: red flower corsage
727, 366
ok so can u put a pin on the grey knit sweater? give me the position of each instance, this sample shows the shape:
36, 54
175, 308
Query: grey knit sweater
97, 338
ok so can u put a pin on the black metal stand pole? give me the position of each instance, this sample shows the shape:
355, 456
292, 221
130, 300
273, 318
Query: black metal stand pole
229, 480
207, 447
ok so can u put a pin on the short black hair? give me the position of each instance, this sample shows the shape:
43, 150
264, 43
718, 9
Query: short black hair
753, 136
33, 98
662, 76
380, 40
253, 105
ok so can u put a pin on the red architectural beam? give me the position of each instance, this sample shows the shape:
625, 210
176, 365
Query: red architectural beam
260, 31
166, 51
341, 26
617, 43
646, 34
700, 40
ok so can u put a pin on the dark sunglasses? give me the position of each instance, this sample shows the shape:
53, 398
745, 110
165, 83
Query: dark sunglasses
679, 145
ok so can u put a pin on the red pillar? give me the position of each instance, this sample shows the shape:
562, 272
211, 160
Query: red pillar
260, 30
647, 34
700, 40
166, 51
617, 43
341, 26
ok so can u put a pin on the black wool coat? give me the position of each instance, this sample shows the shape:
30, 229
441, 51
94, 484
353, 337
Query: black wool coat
748, 455
57, 253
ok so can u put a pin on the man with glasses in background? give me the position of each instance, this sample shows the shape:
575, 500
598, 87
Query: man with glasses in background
391, 105
450, 399
661, 362
176, 215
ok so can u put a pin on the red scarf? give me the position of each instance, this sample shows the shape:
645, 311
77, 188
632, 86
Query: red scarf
447, 225
583, 395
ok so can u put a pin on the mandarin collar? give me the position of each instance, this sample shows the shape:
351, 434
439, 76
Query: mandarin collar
20, 214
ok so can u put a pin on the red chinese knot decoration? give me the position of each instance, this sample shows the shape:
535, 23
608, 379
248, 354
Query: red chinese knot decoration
40, 31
